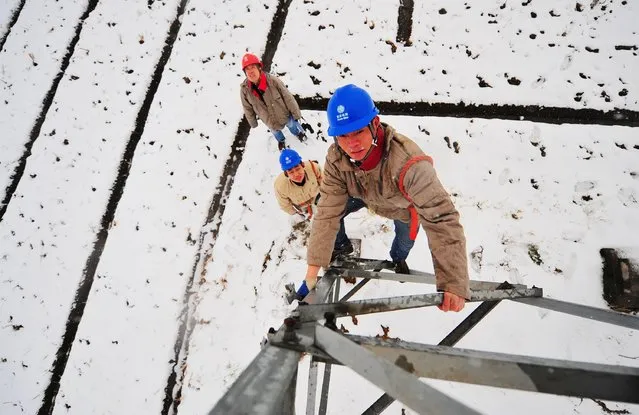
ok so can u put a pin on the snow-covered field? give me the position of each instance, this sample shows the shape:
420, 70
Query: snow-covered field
176, 258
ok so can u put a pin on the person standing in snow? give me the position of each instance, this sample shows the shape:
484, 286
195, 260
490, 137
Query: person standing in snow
263, 95
371, 161
297, 190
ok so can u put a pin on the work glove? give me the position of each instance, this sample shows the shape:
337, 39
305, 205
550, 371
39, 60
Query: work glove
297, 218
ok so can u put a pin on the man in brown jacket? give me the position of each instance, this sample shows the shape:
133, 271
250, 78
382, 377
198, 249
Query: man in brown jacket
391, 174
263, 95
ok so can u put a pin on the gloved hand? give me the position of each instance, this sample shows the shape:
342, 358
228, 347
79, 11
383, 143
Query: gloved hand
303, 290
297, 218
305, 213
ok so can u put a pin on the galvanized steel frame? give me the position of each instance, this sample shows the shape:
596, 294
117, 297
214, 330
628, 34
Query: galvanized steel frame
267, 385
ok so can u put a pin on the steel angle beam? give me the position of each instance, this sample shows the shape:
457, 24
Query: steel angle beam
305, 345
327, 366
323, 406
391, 276
322, 289
311, 394
451, 339
476, 285
592, 313
262, 386
397, 382
416, 277
354, 290
471, 320
267, 381
315, 312
559, 377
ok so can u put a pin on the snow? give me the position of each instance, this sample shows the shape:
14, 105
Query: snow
451, 51
565, 191
29, 62
50, 225
7, 9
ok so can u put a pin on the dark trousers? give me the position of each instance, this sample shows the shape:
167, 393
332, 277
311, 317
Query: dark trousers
402, 244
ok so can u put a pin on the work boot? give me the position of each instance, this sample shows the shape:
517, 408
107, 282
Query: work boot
281, 145
302, 136
342, 251
401, 267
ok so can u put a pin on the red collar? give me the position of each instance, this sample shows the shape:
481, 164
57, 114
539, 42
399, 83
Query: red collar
376, 152
261, 85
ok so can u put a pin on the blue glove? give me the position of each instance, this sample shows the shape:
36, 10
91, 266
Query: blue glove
302, 291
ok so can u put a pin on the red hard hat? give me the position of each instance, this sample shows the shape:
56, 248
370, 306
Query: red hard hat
250, 59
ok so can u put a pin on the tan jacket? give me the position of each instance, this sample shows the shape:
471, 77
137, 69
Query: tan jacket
274, 111
290, 195
379, 189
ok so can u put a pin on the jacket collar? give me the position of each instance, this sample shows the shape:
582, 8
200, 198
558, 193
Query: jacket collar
261, 84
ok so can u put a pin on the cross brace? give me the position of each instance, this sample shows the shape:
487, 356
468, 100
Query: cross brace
315, 312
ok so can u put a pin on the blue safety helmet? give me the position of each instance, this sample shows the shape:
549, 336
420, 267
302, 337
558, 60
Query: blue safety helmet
289, 159
349, 109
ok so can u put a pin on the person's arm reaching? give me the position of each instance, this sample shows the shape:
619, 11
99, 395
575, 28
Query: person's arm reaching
326, 222
445, 234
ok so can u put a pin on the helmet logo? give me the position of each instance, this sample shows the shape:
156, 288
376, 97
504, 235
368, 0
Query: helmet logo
341, 113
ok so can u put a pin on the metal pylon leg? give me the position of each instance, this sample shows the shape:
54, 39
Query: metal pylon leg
312, 388
327, 366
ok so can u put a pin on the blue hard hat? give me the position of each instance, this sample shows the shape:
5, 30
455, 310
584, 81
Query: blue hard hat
289, 159
349, 109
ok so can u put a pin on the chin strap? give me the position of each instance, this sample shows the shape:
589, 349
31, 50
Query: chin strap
358, 163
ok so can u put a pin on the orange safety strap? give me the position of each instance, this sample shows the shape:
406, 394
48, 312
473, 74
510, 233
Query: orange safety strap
414, 218
317, 176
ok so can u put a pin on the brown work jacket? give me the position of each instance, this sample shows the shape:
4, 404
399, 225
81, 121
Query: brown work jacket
379, 189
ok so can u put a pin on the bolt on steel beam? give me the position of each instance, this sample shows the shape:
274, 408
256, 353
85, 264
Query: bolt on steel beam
451, 339
307, 313
396, 381
528, 373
